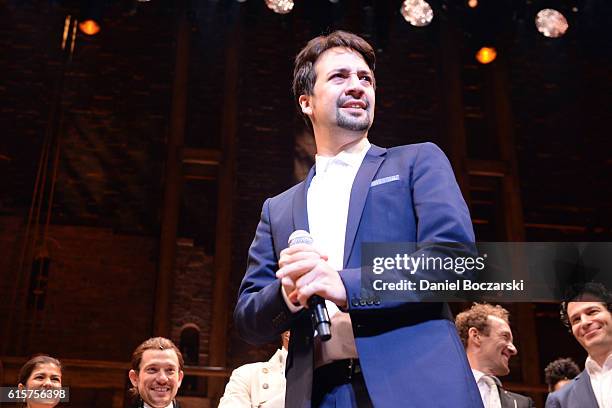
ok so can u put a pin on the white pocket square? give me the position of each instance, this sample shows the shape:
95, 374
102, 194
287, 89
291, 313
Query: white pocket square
384, 180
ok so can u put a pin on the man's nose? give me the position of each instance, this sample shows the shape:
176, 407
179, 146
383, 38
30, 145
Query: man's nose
354, 87
161, 376
512, 348
585, 321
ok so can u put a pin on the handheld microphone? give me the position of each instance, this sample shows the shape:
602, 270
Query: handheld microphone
319, 316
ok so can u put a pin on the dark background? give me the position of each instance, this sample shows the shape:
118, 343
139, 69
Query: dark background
176, 121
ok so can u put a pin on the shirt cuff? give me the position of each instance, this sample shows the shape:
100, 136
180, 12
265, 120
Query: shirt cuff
292, 308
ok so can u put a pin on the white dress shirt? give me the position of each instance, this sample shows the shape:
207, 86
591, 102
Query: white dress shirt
145, 405
487, 386
328, 201
601, 380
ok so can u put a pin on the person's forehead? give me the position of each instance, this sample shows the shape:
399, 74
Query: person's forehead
340, 57
159, 357
575, 308
498, 323
52, 369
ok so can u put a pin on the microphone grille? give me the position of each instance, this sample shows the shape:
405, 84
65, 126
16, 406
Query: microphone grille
300, 237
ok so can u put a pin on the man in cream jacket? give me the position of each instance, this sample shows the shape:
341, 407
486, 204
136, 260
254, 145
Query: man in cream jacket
258, 385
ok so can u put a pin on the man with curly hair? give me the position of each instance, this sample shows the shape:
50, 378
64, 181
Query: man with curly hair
485, 332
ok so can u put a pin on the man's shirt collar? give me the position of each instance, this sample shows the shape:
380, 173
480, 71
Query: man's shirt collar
145, 405
593, 368
351, 157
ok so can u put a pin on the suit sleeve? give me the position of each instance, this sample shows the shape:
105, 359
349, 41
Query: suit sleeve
552, 401
238, 390
441, 216
261, 313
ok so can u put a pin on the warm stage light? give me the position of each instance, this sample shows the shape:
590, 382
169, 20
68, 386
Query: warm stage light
89, 27
417, 12
473, 3
486, 55
280, 6
551, 23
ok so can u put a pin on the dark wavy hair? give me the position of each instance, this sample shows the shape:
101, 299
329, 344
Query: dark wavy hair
560, 369
304, 75
584, 292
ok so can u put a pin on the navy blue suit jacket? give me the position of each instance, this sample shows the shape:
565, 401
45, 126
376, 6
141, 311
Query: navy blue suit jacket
577, 394
409, 351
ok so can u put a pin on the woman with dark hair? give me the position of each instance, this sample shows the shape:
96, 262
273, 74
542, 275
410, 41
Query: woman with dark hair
40, 373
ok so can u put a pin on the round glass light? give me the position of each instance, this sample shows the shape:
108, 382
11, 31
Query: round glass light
280, 6
551, 23
417, 12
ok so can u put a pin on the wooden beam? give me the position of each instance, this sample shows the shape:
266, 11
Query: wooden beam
452, 119
223, 239
488, 168
173, 182
100, 373
201, 164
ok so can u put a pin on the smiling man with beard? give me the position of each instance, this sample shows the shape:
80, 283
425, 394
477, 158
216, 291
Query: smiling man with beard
156, 374
588, 314
355, 193
485, 332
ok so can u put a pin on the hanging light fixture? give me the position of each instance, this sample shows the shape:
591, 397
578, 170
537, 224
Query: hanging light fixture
280, 6
417, 12
551, 23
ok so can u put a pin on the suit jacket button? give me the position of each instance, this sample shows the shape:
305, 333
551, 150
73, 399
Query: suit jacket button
265, 386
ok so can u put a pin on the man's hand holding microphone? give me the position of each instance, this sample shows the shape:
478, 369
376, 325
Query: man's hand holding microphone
307, 277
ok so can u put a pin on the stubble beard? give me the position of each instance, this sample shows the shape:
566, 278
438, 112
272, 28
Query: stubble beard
356, 124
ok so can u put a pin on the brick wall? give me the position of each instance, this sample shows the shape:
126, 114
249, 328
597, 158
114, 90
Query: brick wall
99, 299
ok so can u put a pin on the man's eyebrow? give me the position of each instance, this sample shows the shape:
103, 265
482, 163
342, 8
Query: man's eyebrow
345, 70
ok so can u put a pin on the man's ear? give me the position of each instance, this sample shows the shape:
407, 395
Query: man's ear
304, 101
181, 374
133, 378
473, 336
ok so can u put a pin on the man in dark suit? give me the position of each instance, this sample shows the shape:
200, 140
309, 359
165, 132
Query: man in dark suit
156, 374
386, 354
485, 332
587, 312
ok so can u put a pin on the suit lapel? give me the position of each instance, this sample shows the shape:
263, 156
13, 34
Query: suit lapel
359, 193
583, 391
505, 399
300, 210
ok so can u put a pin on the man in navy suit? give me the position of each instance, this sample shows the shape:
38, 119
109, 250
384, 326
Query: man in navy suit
385, 354
588, 314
